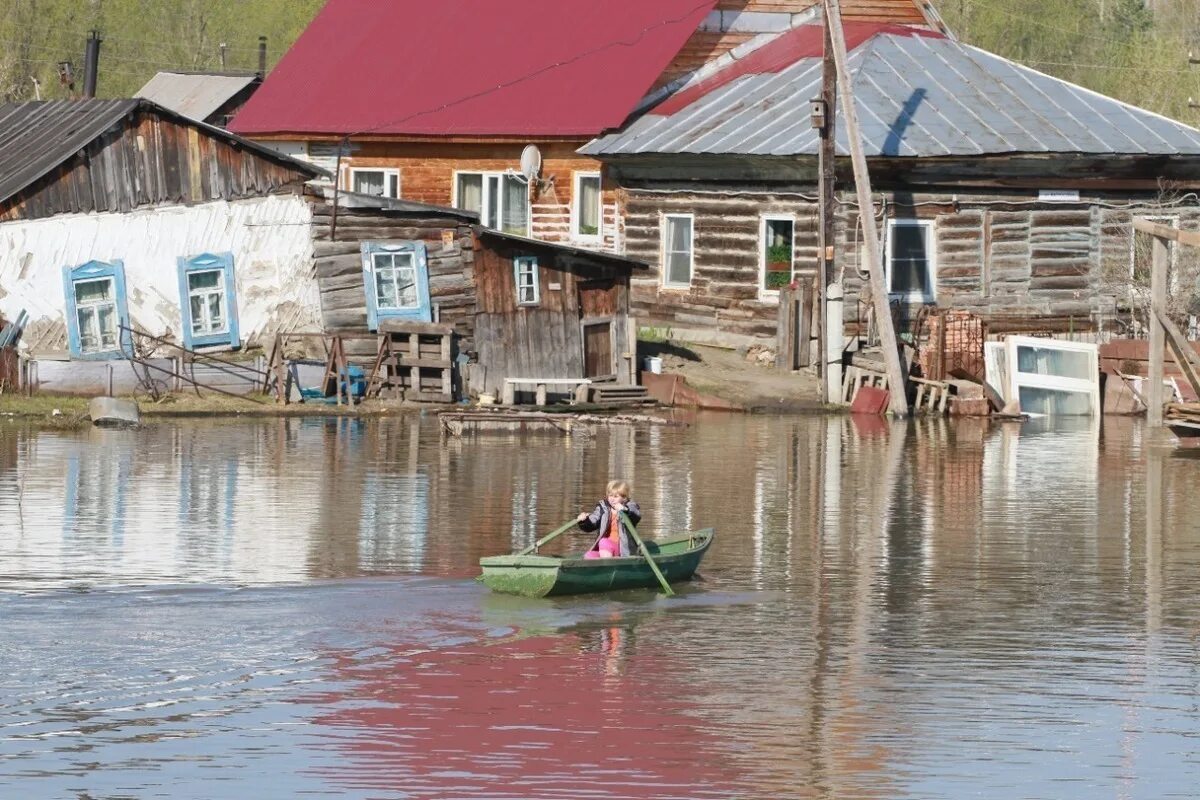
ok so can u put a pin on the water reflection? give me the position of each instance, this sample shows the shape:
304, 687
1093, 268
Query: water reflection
932, 609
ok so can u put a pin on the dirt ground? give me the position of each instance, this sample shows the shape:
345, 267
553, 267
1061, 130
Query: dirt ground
748, 378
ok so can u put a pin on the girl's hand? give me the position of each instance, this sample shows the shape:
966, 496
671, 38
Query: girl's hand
619, 507
582, 517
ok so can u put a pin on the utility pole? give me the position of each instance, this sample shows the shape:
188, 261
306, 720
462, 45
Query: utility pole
897, 381
832, 311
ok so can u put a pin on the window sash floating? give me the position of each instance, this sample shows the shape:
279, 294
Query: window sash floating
208, 295
678, 241
97, 310
525, 273
396, 282
911, 260
1051, 377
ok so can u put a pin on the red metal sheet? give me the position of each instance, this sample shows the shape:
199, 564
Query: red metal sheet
471, 67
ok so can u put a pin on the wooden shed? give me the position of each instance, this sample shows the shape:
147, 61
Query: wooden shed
519, 307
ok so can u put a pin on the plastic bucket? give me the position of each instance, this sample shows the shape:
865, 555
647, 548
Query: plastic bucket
652, 364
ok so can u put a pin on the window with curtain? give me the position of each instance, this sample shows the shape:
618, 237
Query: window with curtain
515, 214
469, 193
587, 205
376, 182
501, 200
677, 250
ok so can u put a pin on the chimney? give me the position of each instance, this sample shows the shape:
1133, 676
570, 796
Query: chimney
262, 56
91, 63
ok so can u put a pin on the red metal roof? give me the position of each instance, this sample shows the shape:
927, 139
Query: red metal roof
471, 67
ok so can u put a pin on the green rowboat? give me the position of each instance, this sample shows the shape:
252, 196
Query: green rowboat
546, 576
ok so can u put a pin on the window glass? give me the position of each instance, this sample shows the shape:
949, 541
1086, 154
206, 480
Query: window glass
527, 281
206, 289
678, 250
470, 192
395, 281
93, 291
516, 206
96, 314
1055, 362
1054, 402
909, 267
777, 253
368, 182
588, 206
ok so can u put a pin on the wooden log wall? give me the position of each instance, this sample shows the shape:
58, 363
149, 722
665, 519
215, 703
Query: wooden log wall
151, 160
726, 262
1018, 262
340, 274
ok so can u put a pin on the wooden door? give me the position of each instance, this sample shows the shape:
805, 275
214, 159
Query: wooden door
597, 350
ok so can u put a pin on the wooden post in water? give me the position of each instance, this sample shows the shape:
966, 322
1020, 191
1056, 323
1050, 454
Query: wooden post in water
829, 337
1158, 301
897, 382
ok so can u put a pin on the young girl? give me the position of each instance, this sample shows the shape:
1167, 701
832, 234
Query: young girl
614, 540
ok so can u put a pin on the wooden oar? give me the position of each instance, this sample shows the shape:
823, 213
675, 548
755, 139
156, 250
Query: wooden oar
642, 546
553, 534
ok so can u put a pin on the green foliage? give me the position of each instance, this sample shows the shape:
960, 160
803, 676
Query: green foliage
779, 254
140, 37
777, 280
1128, 49
654, 335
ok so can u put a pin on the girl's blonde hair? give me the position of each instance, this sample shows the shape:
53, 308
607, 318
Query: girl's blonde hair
617, 487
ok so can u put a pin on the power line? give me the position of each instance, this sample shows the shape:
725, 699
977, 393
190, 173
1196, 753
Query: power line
1110, 66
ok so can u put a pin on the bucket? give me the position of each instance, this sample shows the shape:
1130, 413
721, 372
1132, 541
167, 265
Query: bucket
652, 364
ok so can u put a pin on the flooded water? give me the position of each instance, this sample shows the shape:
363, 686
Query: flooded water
286, 609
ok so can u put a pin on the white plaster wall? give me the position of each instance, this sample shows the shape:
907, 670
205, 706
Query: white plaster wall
270, 238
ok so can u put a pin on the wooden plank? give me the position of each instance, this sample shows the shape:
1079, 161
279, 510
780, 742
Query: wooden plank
1158, 300
1185, 357
1166, 232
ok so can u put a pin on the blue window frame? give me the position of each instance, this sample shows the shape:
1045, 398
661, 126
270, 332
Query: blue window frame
208, 298
525, 272
97, 311
396, 279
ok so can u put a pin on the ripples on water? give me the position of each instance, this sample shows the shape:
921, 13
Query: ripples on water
285, 608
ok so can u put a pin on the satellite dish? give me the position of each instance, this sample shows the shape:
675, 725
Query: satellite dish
531, 162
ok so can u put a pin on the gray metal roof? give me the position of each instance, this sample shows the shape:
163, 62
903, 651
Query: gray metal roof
37, 137
917, 95
194, 95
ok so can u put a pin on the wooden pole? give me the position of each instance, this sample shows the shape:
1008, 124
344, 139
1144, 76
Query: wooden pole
666, 587
830, 340
553, 534
897, 383
1158, 301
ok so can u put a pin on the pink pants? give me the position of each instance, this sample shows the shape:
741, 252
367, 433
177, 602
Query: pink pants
605, 546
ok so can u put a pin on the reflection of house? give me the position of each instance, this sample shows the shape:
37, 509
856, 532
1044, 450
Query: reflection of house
121, 213
422, 126
526, 308
1001, 189
211, 97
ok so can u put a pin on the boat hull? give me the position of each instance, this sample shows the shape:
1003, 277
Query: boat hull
547, 576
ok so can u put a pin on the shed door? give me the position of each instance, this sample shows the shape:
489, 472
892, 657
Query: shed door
597, 350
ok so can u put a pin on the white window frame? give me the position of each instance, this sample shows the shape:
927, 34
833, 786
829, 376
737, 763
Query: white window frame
394, 268
1017, 379
485, 206
763, 291
531, 263
929, 295
663, 244
577, 207
389, 174
95, 306
222, 296
1172, 264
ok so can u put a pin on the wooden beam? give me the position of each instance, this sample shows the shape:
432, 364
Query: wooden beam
1166, 232
897, 385
1158, 300
829, 346
1185, 356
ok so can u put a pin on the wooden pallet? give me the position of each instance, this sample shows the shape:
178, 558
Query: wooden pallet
415, 362
612, 394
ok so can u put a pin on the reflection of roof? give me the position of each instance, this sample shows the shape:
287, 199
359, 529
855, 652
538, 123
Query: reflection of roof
37, 137
918, 94
195, 95
518, 67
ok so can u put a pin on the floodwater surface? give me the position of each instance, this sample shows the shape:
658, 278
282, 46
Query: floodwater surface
286, 608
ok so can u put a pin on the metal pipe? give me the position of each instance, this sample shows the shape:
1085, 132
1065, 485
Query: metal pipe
91, 64
262, 56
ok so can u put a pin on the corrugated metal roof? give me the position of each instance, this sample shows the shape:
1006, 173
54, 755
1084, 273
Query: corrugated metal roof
194, 95
918, 95
36, 137
468, 67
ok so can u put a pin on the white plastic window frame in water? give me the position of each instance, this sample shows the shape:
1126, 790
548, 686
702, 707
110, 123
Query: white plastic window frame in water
1017, 379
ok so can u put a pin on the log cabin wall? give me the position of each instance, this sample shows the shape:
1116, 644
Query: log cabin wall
339, 265
151, 159
1021, 263
545, 340
427, 175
